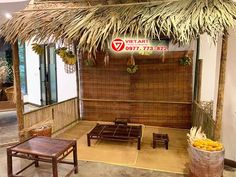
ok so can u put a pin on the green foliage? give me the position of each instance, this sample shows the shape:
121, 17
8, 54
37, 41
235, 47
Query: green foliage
132, 69
185, 61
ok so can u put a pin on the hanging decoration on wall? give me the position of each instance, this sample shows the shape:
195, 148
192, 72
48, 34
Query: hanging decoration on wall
69, 69
106, 59
67, 56
131, 66
163, 56
90, 61
186, 60
38, 49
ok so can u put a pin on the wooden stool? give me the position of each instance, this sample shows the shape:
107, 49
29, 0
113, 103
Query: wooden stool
160, 138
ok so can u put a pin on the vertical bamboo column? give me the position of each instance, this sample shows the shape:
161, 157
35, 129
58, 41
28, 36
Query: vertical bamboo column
19, 105
220, 99
77, 78
199, 79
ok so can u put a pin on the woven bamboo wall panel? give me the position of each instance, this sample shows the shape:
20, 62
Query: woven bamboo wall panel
155, 81
61, 114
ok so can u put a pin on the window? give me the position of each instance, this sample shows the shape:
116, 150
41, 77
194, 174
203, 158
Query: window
22, 68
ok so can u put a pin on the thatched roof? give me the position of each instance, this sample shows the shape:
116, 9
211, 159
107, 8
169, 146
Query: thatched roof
94, 26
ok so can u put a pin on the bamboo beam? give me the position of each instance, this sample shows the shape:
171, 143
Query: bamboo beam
220, 98
199, 79
137, 101
19, 105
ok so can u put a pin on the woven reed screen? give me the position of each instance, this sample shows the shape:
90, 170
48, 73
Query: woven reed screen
159, 93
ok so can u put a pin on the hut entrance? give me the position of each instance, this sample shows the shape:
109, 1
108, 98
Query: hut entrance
159, 93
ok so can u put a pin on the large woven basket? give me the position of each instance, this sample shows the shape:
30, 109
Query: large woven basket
10, 93
42, 131
204, 163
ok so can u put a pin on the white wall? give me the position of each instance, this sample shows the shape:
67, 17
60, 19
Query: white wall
33, 76
66, 83
229, 111
208, 52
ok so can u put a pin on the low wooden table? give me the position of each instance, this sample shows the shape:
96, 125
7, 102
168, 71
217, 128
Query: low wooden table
160, 138
117, 132
44, 149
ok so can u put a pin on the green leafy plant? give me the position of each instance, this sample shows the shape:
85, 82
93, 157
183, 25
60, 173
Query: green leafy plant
131, 66
186, 60
132, 69
67, 56
38, 48
90, 60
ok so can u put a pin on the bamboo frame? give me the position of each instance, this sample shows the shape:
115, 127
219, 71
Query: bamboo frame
77, 78
199, 79
19, 105
220, 98
135, 101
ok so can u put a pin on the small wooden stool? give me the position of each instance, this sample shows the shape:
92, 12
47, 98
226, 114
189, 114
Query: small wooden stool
160, 138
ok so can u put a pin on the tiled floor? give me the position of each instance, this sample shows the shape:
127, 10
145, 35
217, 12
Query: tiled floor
109, 159
86, 169
8, 127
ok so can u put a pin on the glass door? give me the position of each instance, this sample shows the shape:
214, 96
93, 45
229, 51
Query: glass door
52, 74
48, 75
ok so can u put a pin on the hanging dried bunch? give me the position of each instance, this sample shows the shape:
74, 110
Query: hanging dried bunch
39, 49
106, 59
186, 60
131, 66
90, 61
67, 56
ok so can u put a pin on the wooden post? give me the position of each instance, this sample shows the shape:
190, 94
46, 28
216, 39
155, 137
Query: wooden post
220, 99
196, 69
199, 79
19, 105
77, 78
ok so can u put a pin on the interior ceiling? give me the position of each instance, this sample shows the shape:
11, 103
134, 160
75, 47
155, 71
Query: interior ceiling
10, 6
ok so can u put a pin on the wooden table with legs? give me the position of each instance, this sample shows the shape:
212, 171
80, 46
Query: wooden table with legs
44, 149
118, 132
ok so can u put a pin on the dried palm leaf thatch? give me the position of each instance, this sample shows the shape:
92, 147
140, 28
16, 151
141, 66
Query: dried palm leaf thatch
94, 26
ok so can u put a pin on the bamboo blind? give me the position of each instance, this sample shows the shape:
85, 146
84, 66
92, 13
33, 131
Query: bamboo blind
159, 93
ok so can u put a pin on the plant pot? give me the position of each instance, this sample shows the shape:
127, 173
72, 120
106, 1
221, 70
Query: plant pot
205, 163
42, 131
10, 93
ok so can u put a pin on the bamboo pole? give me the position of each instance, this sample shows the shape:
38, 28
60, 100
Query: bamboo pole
196, 69
220, 99
19, 104
199, 79
77, 79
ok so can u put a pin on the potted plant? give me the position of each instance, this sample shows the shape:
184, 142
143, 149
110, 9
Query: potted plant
3, 72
